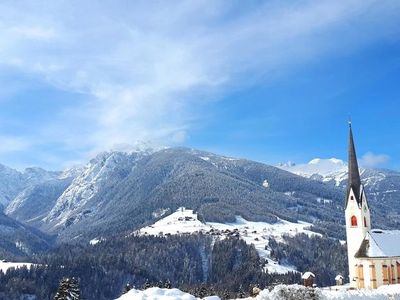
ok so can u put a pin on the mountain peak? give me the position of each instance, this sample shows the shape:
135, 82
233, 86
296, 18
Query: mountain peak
137, 147
332, 160
328, 168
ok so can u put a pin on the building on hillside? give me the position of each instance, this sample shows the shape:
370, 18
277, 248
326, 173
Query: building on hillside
374, 255
308, 279
339, 279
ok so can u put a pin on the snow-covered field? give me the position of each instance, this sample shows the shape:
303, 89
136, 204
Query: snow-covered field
280, 292
185, 221
4, 266
157, 293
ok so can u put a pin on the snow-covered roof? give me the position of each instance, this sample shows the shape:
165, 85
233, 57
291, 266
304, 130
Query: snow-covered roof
380, 243
307, 275
338, 277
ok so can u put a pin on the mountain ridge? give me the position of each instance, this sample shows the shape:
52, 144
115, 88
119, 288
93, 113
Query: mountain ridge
119, 191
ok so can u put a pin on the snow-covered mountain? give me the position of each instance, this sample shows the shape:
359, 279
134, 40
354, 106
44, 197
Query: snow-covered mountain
34, 202
334, 171
120, 191
105, 170
12, 182
382, 185
325, 170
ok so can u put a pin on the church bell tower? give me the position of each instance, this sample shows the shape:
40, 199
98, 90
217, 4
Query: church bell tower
358, 220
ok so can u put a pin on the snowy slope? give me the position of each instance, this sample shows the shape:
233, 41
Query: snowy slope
5, 265
157, 293
256, 233
13, 182
10, 184
17, 239
105, 169
280, 292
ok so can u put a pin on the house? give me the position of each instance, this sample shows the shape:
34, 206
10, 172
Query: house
308, 279
373, 255
339, 279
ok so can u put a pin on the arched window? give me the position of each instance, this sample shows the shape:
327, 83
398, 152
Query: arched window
353, 221
365, 222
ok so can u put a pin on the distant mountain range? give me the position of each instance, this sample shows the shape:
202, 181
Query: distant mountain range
118, 192
382, 186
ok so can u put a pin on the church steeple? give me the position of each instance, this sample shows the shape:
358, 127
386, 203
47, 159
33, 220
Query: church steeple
354, 181
357, 214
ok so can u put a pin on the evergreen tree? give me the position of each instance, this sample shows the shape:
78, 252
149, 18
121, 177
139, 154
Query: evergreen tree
168, 284
127, 288
146, 284
68, 289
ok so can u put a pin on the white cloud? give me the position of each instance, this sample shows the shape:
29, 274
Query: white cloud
143, 65
371, 160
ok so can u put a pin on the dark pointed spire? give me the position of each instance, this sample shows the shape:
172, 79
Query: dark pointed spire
354, 181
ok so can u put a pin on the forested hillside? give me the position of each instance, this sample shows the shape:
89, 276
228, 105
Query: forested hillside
188, 262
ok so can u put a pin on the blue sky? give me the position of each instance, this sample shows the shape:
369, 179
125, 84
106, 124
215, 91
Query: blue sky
266, 80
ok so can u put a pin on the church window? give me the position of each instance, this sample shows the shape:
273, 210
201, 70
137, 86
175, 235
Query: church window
354, 221
365, 222
351, 197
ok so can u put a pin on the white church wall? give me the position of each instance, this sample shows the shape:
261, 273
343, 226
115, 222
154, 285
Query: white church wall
355, 234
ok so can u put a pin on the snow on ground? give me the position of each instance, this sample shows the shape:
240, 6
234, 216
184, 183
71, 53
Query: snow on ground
94, 241
257, 233
265, 183
157, 293
181, 221
383, 292
280, 292
5, 265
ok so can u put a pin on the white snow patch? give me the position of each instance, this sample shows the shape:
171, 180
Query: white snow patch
280, 292
155, 293
181, 221
307, 275
265, 183
381, 293
159, 212
205, 158
95, 241
5, 265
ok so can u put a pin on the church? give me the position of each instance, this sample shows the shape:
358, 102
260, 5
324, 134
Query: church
374, 255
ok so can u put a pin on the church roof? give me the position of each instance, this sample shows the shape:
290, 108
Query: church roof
354, 181
379, 243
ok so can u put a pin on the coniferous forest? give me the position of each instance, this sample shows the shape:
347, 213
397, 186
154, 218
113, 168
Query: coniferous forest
193, 263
